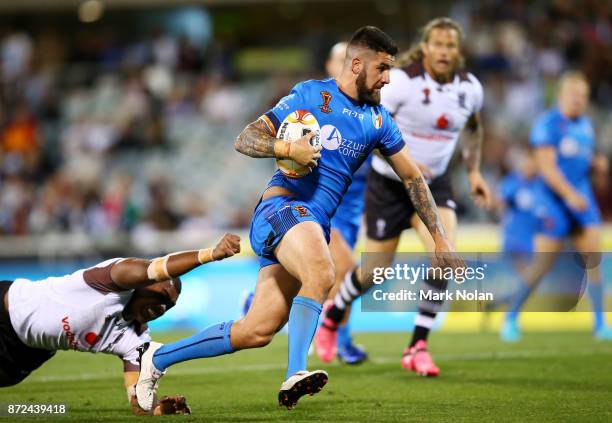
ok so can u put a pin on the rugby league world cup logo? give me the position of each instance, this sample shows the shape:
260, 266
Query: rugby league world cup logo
326, 99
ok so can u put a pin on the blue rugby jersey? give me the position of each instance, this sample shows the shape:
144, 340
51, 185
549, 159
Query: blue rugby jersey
353, 203
573, 140
349, 132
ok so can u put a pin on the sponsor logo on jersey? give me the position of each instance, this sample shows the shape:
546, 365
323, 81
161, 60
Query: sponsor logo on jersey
302, 211
352, 113
332, 139
443, 122
377, 118
524, 199
569, 147
426, 92
70, 336
326, 96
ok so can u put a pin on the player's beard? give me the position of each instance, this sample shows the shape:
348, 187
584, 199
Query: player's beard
370, 96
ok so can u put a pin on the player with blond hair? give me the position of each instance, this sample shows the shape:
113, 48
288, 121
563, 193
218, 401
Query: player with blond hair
432, 99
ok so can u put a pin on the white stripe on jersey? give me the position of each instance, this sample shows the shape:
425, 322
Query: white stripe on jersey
429, 115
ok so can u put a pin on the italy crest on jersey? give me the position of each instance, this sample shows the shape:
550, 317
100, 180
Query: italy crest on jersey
377, 119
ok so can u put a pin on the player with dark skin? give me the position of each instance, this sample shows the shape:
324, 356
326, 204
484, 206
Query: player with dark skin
295, 280
150, 302
151, 298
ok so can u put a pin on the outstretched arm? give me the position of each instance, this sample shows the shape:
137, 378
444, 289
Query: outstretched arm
472, 154
134, 273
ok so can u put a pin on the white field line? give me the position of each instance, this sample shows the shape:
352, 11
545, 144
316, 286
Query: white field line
501, 355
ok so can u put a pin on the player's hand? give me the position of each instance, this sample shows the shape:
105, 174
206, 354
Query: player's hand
135, 407
480, 190
426, 171
226, 247
576, 201
445, 256
176, 404
303, 153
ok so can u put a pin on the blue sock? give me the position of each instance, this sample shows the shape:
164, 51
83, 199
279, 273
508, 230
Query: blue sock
518, 300
344, 336
303, 319
211, 342
597, 298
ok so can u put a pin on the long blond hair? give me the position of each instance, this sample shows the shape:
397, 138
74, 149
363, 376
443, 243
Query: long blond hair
415, 53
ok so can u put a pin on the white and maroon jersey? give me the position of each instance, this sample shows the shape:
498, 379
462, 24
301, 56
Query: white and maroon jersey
430, 115
81, 311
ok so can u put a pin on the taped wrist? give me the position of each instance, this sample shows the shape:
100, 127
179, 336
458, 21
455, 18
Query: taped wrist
282, 149
158, 269
205, 255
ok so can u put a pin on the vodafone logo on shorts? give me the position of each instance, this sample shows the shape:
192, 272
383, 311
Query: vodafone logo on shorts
330, 137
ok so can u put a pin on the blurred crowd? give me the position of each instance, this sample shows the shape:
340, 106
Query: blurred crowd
518, 49
103, 134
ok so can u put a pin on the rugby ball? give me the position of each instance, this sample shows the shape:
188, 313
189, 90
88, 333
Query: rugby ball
295, 126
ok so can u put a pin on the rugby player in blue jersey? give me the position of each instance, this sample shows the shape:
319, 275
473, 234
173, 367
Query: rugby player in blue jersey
433, 100
517, 201
344, 231
519, 222
291, 224
564, 143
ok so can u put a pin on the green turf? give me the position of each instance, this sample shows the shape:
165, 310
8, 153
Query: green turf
546, 377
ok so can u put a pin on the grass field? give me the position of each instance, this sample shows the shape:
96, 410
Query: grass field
546, 377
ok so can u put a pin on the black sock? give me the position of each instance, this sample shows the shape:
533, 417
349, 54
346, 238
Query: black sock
423, 325
350, 289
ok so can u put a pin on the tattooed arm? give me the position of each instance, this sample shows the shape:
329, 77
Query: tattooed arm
419, 193
425, 207
471, 154
257, 140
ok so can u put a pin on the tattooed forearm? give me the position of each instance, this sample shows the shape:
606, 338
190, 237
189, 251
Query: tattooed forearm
424, 204
471, 152
256, 140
